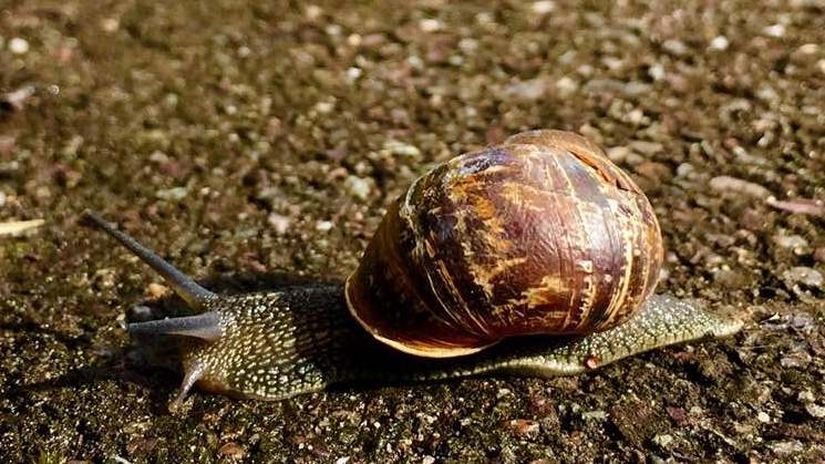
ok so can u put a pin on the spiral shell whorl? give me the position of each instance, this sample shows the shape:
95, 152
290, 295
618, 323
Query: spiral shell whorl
539, 235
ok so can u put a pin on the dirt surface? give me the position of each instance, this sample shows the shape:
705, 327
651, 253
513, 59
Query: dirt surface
240, 139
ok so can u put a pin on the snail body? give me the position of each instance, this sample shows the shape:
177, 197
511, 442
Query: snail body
251, 360
541, 235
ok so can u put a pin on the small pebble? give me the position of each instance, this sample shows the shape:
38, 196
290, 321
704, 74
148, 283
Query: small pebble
684, 170
776, 30
427, 418
325, 107
677, 414
767, 93
394, 147
159, 157
637, 117
109, 25
428, 460
172, 194
532, 89
795, 358
279, 223
342, 460
675, 47
353, 73
16, 99
543, 7
806, 396
815, 410
657, 72
597, 415
358, 187
324, 226
525, 427
18, 46
802, 275
232, 450
784, 448
313, 12
728, 184
743, 157
646, 148
156, 290
763, 417
618, 154
663, 440
719, 43
468, 45
592, 362
430, 25
797, 243
566, 86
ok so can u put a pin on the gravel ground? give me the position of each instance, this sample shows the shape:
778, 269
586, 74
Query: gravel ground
255, 144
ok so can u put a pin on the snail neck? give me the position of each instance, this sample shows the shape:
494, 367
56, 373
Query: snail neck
280, 344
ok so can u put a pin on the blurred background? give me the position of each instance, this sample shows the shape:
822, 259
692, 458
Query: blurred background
253, 137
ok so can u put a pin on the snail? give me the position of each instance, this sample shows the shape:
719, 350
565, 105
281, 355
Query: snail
534, 257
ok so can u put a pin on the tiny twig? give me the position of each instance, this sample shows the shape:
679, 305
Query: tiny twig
14, 228
798, 206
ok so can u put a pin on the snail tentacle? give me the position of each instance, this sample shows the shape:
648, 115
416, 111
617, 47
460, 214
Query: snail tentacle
207, 326
194, 295
190, 377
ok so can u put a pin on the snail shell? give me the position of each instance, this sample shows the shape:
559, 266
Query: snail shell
539, 235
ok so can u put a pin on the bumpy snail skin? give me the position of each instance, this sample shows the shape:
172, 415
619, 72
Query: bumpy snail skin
274, 345
278, 345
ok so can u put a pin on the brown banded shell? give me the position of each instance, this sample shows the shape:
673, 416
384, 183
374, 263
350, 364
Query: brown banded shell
539, 235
